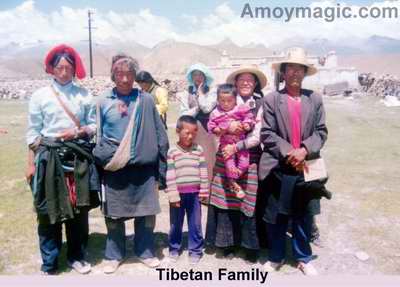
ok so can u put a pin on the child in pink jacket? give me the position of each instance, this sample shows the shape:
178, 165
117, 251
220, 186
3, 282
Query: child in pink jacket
226, 112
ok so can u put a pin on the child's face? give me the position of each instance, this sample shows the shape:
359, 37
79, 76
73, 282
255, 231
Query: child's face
227, 101
187, 134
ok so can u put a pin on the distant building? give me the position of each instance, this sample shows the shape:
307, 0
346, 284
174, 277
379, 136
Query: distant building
328, 70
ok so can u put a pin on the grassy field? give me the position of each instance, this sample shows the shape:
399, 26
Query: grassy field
363, 158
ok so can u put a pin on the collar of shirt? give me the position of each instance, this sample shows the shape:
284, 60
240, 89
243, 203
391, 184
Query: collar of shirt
251, 102
192, 148
64, 89
125, 98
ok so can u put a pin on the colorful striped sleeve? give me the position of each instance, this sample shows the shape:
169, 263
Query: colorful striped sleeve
171, 190
204, 192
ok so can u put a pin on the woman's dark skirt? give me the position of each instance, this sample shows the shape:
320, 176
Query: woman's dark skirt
229, 228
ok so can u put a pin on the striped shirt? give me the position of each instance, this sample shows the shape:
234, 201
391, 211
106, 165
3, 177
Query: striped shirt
187, 172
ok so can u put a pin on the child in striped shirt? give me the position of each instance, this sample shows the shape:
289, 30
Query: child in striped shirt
187, 181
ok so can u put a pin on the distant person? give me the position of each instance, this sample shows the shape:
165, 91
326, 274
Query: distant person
187, 182
228, 111
3, 131
198, 102
293, 130
132, 151
60, 170
160, 94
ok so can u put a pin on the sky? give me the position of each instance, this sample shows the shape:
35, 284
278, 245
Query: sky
202, 22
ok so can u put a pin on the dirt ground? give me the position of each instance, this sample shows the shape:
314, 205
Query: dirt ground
362, 156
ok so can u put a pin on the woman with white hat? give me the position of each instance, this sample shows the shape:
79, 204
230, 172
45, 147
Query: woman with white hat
293, 130
231, 221
198, 102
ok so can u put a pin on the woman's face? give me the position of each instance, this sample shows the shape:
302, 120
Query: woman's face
144, 86
198, 78
63, 72
245, 84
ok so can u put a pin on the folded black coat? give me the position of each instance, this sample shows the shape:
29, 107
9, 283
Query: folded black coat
289, 194
49, 188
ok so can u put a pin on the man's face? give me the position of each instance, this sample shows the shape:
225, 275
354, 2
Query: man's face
63, 72
124, 79
187, 134
245, 84
294, 75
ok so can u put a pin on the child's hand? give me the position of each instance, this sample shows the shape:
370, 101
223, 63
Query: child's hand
246, 127
204, 199
217, 131
235, 128
176, 204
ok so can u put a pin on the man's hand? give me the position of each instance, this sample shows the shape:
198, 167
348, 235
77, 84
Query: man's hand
30, 172
68, 134
296, 157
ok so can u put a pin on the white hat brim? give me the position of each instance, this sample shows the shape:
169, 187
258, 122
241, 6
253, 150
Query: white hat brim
246, 69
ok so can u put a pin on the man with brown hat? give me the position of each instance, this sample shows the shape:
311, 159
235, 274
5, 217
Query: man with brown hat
293, 130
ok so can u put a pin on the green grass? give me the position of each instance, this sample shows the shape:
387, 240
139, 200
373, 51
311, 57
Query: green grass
362, 156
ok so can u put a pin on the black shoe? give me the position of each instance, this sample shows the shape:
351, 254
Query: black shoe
210, 250
326, 193
225, 253
251, 256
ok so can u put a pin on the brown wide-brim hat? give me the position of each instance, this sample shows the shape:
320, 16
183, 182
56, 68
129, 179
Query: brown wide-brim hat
296, 56
252, 69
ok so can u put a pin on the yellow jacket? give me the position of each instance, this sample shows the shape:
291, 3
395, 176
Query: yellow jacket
160, 96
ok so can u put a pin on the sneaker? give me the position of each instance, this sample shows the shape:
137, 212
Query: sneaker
111, 266
173, 257
80, 266
317, 242
152, 262
194, 259
48, 273
270, 266
307, 269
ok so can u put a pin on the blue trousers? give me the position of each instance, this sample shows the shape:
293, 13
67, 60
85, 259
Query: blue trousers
301, 229
50, 239
143, 240
190, 205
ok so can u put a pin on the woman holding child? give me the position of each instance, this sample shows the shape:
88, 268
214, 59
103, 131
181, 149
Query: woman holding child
231, 218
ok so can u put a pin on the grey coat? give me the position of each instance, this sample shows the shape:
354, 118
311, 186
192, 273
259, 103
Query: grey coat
133, 190
275, 131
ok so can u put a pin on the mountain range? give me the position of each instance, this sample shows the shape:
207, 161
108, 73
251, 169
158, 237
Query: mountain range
376, 54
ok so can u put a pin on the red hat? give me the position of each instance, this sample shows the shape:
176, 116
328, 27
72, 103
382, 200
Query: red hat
79, 68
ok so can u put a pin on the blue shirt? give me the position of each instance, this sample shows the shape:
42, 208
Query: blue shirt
47, 117
115, 112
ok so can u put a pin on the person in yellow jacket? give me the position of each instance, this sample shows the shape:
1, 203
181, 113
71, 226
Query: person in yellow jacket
160, 94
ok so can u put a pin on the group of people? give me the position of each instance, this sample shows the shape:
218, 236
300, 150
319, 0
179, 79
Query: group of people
242, 153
